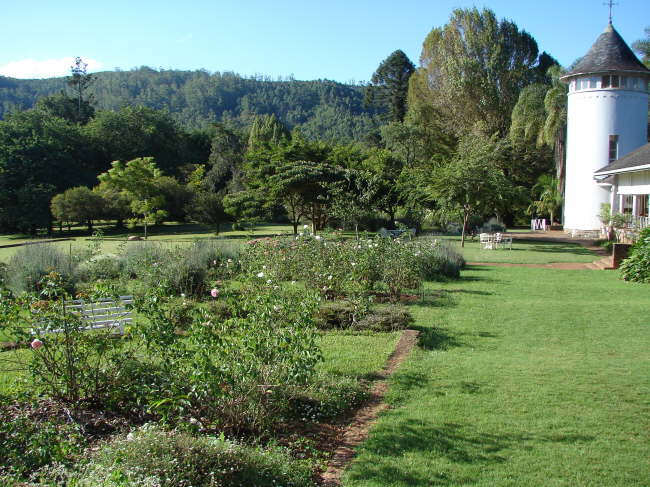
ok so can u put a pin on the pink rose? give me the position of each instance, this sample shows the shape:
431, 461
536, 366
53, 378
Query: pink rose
214, 293
36, 344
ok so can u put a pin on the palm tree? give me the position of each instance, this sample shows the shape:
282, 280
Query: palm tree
549, 199
540, 116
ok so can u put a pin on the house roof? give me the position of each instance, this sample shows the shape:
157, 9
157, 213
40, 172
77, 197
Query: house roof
634, 161
609, 53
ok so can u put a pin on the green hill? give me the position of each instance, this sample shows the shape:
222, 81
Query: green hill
321, 109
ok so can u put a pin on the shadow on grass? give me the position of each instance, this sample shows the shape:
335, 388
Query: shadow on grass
453, 443
438, 339
555, 247
445, 339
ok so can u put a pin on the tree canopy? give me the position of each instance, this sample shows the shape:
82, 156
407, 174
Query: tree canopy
388, 88
472, 70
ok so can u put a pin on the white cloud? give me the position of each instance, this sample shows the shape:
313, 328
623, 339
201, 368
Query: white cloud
47, 68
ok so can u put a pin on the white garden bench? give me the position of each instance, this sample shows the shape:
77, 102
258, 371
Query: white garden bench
100, 314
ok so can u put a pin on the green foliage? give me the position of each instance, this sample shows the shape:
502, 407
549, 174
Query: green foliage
30, 440
31, 263
141, 180
67, 362
40, 155
471, 182
388, 88
550, 197
322, 109
232, 373
153, 457
99, 267
341, 315
637, 266
78, 204
266, 130
134, 132
472, 70
62, 106
175, 270
386, 319
245, 208
327, 398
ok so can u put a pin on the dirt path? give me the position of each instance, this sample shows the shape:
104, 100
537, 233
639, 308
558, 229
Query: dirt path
365, 417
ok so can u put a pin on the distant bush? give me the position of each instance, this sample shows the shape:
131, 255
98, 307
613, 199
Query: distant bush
335, 315
390, 318
151, 457
103, 266
342, 315
180, 269
438, 260
637, 266
31, 262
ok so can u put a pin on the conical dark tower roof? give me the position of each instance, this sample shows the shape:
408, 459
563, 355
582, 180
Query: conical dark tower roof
609, 54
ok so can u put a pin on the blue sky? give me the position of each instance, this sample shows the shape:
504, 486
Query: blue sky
343, 40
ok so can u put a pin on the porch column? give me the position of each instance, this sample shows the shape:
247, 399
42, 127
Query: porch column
635, 204
613, 200
621, 203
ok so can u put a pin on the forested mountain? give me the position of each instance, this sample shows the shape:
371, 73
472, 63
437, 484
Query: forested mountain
322, 109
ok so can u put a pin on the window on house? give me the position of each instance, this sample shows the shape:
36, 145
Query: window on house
613, 147
604, 82
615, 82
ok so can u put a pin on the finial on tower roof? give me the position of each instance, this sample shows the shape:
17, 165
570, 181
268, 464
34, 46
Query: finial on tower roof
610, 3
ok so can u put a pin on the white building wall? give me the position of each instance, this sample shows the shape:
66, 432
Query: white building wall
593, 115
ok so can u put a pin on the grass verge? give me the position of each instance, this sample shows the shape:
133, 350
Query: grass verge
523, 377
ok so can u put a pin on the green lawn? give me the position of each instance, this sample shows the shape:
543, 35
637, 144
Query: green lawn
356, 354
524, 252
523, 377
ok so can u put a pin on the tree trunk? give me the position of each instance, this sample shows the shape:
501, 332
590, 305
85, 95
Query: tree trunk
90, 225
462, 237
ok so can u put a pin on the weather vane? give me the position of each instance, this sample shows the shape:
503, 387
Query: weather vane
610, 3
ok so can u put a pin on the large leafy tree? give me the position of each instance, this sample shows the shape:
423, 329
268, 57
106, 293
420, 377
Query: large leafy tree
304, 189
40, 155
78, 204
226, 159
139, 179
388, 88
135, 132
386, 168
472, 70
471, 183
63, 106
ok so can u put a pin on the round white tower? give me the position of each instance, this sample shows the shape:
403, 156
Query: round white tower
607, 117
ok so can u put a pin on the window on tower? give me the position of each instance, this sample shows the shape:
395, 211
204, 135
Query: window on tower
613, 147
